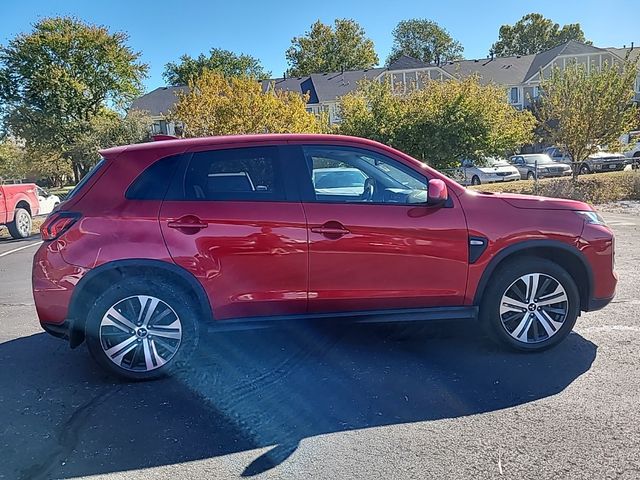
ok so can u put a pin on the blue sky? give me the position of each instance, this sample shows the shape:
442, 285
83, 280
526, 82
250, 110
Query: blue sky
164, 30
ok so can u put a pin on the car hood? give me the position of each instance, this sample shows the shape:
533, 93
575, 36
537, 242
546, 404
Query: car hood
539, 203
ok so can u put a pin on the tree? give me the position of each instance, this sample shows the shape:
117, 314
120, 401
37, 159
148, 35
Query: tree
440, 124
108, 129
327, 49
224, 61
424, 40
534, 33
219, 105
582, 109
57, 79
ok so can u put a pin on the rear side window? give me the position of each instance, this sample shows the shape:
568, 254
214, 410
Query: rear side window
239, 174
96, 168
152, 184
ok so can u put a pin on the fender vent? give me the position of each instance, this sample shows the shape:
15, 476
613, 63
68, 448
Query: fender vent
477, 246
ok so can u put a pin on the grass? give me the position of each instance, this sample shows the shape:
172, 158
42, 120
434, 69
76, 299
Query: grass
596, 188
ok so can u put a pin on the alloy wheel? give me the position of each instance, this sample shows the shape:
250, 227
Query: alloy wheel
534, 308
23, 224
140, 333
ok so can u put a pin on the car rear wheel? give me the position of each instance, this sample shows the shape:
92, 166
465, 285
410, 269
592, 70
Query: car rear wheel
531, 305
475, 180
141, 330
21, 225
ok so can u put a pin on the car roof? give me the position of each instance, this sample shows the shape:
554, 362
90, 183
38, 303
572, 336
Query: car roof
180, 145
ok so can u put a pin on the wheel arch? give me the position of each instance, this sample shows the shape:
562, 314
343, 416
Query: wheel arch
24, 204
567, 256
94, 282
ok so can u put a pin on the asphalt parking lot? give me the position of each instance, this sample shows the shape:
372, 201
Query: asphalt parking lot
329, 402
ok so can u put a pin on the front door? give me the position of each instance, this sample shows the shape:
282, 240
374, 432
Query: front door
227, 219
373, 243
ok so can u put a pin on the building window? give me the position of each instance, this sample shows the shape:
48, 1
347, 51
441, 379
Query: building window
514, 95
536, 92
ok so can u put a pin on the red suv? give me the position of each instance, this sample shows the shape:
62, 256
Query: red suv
245, 231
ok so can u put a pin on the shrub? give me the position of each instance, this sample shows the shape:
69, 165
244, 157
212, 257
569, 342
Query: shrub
596, 188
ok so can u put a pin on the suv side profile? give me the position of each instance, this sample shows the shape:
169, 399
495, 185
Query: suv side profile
232, 232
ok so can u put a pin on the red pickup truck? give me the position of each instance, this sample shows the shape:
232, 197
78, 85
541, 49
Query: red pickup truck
18, 204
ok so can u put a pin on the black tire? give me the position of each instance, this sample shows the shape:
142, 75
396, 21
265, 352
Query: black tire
21, 225
124, 291
531, 175
584, 169
475, 180
508, 275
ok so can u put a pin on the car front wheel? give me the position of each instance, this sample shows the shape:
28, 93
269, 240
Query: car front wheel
531, 176
531, 305
475, 180
141, 330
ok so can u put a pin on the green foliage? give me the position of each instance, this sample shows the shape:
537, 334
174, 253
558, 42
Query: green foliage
12, 164
55, 81
330, 49
596, 189
580, 109
224, 61
534, 33
440, 124
219, 105
108, 130
425, 40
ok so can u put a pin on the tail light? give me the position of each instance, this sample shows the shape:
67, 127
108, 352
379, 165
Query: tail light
57, 224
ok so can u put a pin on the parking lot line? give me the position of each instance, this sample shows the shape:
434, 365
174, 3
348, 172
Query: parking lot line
19, 248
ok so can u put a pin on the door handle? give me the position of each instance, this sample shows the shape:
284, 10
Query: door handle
187, 222
331, 229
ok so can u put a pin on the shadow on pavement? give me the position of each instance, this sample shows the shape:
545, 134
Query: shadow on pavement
7, 240
63, 417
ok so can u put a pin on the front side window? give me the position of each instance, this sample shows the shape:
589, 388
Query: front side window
353, 175
239, 174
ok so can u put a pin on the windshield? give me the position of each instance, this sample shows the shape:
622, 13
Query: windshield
540, 159
86, 178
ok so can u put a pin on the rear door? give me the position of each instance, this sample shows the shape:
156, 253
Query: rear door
228, 220
372, 244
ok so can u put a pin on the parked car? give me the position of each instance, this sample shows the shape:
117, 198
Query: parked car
46, 201
539, 165
632, 152
494, 170
18, 204
339, 181
601, 161
145, 249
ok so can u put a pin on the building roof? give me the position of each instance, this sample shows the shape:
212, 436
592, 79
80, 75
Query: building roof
158, 102
405, 62
501, 70
327, 87
323, 87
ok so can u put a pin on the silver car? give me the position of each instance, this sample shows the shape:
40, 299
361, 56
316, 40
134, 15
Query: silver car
494, 170
539, 165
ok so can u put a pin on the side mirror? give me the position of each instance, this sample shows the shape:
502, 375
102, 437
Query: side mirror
437, 193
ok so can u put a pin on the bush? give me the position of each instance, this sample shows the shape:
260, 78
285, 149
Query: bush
596, 188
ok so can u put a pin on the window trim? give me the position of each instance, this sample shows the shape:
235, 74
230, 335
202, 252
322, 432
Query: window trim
307, 190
